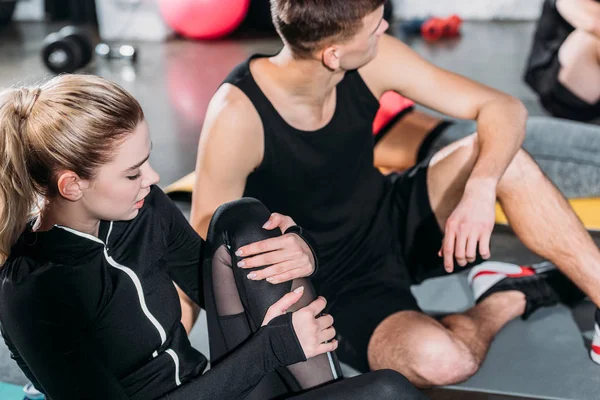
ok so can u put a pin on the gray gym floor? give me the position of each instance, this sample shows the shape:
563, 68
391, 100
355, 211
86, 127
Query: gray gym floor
175, 80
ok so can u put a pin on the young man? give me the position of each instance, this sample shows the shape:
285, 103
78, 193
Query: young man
294, 130
564, 65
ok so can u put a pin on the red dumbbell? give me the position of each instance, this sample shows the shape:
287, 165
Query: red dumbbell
452, 26
432, 29
436, 28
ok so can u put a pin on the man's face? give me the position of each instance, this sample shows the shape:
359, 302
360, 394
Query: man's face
362, 48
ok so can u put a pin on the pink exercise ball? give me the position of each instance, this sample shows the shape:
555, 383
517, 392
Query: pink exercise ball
204, 19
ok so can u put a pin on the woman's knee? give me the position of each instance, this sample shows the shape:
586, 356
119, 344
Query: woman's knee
390, 385
239, 223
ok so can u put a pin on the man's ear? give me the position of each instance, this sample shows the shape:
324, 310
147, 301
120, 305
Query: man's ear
71, 186
331, 58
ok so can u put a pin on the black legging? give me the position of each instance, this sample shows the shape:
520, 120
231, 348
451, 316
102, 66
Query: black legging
236, 307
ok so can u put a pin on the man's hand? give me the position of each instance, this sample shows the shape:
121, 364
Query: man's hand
289, 256
471, 223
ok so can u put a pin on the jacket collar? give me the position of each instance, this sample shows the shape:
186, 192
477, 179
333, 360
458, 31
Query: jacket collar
60, 243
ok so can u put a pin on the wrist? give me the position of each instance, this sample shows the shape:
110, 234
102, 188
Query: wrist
477, 186
310, 242
285, 343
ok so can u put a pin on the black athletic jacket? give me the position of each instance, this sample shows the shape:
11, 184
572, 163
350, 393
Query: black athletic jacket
99, 318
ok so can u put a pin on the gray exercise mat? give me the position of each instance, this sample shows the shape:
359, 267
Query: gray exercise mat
545, 357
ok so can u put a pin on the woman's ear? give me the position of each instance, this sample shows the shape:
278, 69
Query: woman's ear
71, 186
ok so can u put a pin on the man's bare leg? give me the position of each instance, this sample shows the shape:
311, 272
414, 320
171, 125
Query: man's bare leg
435, 353
545, 223
432, 353
537, 212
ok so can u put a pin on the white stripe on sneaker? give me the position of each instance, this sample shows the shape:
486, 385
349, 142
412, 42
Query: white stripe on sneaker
495, 266
487, 274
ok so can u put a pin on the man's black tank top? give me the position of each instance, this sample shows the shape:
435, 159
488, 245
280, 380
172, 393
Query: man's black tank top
324, 179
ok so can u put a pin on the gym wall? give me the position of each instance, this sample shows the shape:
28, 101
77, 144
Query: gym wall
75, 11
470, 9
29, 10
131, 19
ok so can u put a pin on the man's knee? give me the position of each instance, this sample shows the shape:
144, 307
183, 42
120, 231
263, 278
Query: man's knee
443, 362
522, 168
426, 354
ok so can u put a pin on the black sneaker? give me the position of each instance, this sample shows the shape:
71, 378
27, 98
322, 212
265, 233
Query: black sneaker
543, 284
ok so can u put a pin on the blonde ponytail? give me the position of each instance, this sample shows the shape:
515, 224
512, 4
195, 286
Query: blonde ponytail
72, 122
17, 194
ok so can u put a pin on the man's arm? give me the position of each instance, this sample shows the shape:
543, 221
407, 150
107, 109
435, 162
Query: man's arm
500, 131
500, 117
581, 14
231, 146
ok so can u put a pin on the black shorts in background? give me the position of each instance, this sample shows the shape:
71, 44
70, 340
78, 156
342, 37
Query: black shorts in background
557, 99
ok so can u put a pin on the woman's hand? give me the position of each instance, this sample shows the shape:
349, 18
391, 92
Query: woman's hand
314, 330
289, 256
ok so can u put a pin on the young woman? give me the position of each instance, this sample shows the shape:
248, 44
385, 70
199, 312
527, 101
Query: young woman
87, 302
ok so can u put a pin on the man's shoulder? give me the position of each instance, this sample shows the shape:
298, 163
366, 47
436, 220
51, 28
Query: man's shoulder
230, 96
232, 112
240, 90
232, 129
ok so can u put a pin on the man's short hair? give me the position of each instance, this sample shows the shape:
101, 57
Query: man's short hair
307, 25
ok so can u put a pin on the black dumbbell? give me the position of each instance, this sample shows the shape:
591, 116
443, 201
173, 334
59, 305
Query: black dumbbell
67, 50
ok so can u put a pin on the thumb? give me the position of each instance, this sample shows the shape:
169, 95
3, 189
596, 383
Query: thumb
282, 305
273, 221
283, 222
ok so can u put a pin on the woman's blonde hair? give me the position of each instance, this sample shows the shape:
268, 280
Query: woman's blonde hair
71, 122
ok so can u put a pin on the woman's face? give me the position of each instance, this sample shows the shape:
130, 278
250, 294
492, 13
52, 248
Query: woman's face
117, 192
